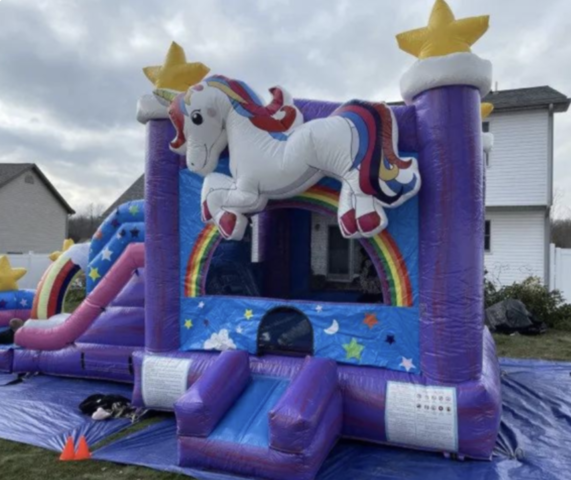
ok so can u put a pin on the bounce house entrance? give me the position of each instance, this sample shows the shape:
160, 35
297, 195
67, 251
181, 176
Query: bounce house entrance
285, 330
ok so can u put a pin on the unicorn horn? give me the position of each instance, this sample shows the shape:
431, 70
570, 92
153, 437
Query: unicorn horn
165, 96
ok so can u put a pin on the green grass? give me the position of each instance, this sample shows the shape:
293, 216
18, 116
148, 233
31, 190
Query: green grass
553, 345
22, 462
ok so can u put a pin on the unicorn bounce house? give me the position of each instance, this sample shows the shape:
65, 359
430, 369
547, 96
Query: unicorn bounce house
203, 296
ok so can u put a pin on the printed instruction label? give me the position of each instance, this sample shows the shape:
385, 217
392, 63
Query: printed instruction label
164, 380
422, 416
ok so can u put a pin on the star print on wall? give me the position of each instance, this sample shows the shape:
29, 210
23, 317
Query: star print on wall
24, 302
106, 254
206, 323
248, 314
134, 209
135, 232
201, 305
407, 364
353, 349
115, 223
370, 320
2, 303
318, 309
94, 274
390, 339
188, 324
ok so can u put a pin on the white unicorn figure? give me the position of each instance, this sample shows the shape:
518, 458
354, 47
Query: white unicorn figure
274, 155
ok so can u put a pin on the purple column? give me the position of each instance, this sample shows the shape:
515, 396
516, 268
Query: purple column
451, 264
162, 291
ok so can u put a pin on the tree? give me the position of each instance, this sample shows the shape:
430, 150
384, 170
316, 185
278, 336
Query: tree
561, 232
83, 225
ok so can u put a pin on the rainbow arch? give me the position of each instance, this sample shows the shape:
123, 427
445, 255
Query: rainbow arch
53, 286
383, 250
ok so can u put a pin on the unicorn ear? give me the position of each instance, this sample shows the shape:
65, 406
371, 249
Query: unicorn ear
165, 95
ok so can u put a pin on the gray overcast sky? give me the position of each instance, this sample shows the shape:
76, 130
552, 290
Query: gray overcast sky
70, 70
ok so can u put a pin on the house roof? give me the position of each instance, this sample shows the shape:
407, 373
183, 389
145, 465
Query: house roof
134, 192
11, 171
528, 98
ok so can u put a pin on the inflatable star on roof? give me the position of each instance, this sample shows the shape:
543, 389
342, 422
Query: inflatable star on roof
67, 244
486, 109
176, 73
9, 276
444, 34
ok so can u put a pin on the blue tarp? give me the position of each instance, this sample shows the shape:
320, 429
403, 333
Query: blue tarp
534, 441
43, 411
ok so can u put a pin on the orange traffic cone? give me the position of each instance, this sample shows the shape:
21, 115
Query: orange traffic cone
82, 450
68, 452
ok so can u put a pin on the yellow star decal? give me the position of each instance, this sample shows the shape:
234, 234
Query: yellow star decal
134, 209
176, 73
188, 324
67, 244
353, 349
248, 314
9, 276
486, 109
444, 34
94, 274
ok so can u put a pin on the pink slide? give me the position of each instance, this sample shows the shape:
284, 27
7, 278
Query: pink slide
63, 329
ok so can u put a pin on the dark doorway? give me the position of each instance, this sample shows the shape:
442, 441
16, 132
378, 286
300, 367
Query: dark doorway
286, 331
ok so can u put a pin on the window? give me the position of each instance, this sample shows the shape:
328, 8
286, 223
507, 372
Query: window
29, 179
488, 236
486, 129
342, 256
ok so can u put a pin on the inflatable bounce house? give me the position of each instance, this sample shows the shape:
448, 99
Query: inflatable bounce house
210, 296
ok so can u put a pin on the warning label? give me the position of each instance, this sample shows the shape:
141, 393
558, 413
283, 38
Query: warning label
164, 380
422, 416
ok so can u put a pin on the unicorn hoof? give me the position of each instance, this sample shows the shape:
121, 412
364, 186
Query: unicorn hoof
206, 215
232, 226
348, 224
370, 224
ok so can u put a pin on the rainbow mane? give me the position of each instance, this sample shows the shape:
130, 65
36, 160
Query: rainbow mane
245, 102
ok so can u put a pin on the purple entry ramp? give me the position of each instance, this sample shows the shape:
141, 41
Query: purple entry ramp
278, 428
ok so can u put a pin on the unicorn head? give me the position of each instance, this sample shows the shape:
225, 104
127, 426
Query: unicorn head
199, 120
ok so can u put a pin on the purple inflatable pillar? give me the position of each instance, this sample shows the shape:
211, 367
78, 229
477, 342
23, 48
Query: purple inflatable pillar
451, 268
161, 239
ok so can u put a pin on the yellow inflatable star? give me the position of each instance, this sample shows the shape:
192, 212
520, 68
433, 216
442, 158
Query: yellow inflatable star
176, 73
9, 276
67, 244
444, 34
486, 109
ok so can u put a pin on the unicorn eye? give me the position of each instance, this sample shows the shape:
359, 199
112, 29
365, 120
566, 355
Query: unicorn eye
196, 117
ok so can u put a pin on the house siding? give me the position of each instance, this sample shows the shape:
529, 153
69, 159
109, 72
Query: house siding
517, 248
31, 218
518, 171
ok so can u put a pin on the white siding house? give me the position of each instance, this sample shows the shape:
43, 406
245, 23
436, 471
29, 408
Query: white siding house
519, 183
33, 215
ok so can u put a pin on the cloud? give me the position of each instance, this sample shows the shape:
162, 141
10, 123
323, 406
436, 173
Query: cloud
70, 72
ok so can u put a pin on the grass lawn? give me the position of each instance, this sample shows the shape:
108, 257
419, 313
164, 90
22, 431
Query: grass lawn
22, 462
553, 345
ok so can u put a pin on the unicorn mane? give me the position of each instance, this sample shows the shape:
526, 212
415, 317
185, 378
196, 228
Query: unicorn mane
275, 118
